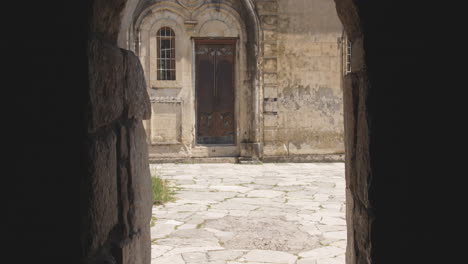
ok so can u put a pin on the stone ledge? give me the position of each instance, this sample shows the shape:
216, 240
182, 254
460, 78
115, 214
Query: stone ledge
305, 158
266, 159
156, 160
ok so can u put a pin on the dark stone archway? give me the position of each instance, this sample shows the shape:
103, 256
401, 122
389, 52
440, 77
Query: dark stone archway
396, 210
361, 111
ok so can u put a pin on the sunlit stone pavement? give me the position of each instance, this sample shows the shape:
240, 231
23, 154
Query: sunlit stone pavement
270, 213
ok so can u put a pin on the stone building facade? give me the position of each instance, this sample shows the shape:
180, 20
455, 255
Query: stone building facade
278, 97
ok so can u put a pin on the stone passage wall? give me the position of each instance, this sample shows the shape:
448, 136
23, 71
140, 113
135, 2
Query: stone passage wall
303, 108
116, 189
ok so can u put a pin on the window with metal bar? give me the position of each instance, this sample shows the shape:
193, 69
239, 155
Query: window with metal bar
166, 54
348, 56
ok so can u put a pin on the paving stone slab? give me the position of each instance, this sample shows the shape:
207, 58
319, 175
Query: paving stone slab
180, 250
231, 213
335, 235
157, 251
264, 193
195, 257
173, 259
336, 260
308, 261
322, 252
270, 256
162, 230
230, 188
225, 254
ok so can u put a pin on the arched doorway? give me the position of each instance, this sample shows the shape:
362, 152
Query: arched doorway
179, 126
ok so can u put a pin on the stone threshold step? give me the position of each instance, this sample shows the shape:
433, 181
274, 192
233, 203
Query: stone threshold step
245, 160
188, 160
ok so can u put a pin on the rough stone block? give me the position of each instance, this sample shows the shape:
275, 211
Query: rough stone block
270, 92
270, 78
357, 55
270, 65
275, 149
266, 7
300, 149
100, 193
106, 83
166, 123
269, 21
270, 106
123, 150
270, 49
330, 49
136, 96
270, 135
269, 35
335, 65
165, 129
270, 120
350, 254
357, 132
138, 250
313, 49
139, 181
284, 23
361, 223
105, 17
322, 64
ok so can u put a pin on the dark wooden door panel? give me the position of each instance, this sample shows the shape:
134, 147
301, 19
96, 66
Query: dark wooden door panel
215, 92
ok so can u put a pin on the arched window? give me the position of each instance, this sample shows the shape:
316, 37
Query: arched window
166, 54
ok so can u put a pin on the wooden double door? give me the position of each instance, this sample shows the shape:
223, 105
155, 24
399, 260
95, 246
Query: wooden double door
215, 96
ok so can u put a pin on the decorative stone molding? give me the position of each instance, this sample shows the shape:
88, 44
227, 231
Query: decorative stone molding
191, 4
166, 99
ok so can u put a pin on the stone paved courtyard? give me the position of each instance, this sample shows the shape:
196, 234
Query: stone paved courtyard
269, 213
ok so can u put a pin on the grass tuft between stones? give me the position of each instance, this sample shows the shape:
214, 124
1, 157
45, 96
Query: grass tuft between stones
162, 191
153, 221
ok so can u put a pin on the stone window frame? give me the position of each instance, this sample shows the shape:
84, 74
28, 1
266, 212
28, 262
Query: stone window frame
165, 72
149, 25
347, 53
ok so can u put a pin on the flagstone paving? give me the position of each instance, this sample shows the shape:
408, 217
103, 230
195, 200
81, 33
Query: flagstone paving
270, 213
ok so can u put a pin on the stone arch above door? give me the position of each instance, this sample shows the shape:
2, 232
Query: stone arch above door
192, 4
216, 28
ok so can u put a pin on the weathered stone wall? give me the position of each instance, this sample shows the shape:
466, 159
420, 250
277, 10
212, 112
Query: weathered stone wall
116, 188
302, 78
299, 77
